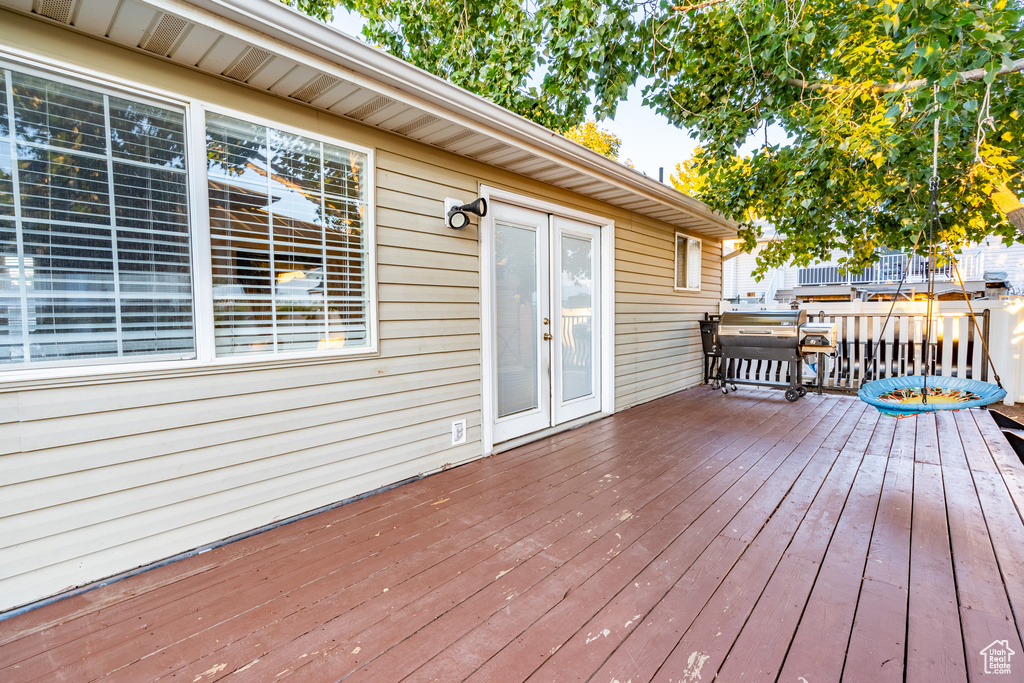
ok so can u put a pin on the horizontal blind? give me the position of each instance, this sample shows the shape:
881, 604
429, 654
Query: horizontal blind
94, 228
288, 237
688, 256
693, 263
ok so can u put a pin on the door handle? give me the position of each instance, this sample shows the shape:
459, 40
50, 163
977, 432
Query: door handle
547, 336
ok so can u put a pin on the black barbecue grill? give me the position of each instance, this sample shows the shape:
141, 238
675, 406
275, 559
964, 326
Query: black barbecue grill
712, 350
781, 336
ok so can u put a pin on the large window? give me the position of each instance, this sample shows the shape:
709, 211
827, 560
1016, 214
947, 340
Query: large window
287, 226
94, 231
97, 256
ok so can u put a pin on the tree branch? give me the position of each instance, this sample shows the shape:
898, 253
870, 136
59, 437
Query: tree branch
687, 8
963, 76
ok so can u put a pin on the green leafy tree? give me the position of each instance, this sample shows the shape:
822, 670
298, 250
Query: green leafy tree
856, 86
550, 61
689, 178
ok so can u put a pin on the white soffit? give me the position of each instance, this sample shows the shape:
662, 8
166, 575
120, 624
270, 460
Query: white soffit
271, 47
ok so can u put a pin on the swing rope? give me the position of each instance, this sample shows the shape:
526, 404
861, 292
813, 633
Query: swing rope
892, 396
872, 348
931, 216
974, 319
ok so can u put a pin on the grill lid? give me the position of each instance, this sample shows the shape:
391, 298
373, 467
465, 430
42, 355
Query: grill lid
781, 319
761, 323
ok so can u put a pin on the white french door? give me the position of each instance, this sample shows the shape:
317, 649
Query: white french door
576, 306
545, 275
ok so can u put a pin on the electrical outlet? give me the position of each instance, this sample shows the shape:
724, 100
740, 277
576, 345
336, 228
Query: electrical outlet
458, 432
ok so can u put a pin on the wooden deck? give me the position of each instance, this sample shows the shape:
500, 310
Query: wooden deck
698, 534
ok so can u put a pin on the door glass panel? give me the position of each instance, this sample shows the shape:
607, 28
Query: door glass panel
577, 312
515, 304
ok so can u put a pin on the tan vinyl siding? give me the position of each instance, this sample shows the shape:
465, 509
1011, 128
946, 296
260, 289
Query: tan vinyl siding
657, 336
102, 474
102, 478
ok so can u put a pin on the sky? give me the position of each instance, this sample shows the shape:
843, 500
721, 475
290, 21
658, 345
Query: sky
647, 139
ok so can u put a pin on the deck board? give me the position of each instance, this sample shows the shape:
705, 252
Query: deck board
695, 536
581, 515
832, 603
933, 616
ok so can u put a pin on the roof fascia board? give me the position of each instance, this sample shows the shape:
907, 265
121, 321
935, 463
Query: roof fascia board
299, 37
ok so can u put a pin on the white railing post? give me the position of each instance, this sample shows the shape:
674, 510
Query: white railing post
1013, 347
1005, 350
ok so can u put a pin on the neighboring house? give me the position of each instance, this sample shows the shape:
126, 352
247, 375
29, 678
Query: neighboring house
228, 295
988, 269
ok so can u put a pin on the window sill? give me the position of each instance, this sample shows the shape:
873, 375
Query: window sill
48, 378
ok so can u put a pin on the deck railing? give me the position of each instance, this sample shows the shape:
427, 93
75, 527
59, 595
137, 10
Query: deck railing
889, 270
953, 349
576, 340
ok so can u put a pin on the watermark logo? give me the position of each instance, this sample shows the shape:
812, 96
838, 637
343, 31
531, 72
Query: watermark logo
997, 657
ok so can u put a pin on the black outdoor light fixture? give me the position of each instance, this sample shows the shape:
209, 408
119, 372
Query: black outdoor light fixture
457, 216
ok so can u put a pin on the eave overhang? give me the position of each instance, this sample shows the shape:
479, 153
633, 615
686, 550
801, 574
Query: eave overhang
266, 45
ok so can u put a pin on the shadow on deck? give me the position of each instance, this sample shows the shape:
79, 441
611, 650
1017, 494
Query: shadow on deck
698, 534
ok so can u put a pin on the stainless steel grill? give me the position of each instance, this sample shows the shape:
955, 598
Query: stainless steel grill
782, 336
816, 337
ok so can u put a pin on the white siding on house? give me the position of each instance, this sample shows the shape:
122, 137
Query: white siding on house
741, 281
791, 278
746, 284
1005, 258
728, 277
101, 475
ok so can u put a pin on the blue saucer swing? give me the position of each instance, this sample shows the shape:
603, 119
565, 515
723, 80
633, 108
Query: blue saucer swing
905, 396
913, 394
910, 395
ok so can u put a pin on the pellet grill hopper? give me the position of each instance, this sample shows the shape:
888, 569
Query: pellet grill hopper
762, 336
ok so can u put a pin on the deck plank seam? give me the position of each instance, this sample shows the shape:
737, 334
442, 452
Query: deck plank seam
484, 664
867, 553
817, 563
696, 491
684, 571
781, 554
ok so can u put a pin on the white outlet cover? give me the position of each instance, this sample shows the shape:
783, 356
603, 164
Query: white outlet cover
458, 432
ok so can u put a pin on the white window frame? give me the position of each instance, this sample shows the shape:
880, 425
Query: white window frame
371, 237
199, 227
675, 261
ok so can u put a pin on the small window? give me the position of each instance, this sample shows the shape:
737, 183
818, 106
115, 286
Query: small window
687, 263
